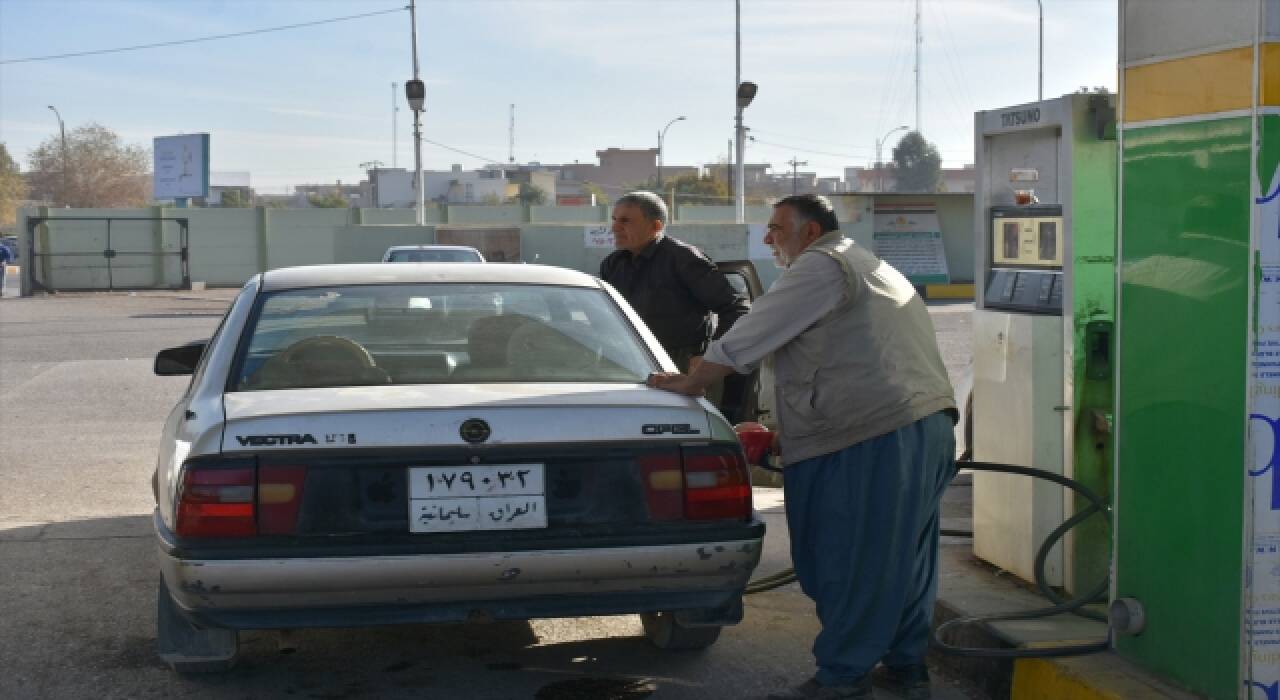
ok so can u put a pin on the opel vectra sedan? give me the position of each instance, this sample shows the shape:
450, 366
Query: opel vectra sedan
346, 455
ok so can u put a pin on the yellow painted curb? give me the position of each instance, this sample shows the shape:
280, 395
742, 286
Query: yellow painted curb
948, 291
1040, 679
1094, 677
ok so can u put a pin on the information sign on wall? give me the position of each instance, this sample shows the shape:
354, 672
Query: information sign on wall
181, 166
1262, 580
598, 236
911, 241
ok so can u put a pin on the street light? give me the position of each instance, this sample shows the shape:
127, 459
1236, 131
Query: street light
661, 135
879, 163
745, 94
63, 130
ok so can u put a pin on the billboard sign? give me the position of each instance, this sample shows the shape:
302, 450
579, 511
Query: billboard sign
181, 166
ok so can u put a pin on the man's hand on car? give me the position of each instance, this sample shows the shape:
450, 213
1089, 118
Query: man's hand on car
695, 383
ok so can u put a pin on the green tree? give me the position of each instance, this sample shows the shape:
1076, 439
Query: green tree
97, 170
332, 199
13, 189
917, 166
531, 194
690, 189
235, 199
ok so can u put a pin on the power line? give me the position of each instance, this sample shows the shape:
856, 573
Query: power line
199, 39
490, 161
805, 150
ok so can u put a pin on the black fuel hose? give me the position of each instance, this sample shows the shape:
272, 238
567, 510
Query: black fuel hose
1060, 606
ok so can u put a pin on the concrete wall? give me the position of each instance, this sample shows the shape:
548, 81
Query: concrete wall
558, 215
755, 214
229, 245
487, 214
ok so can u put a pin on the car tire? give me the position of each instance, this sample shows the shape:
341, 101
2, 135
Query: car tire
665, 632
188, 648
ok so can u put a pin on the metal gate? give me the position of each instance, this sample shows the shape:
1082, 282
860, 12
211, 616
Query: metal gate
120, 264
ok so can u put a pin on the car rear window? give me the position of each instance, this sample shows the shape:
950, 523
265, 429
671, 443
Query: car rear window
433, 256
438, 333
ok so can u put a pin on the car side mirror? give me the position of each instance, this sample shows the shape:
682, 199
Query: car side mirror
173, 362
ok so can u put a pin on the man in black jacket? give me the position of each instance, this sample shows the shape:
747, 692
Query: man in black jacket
671, 284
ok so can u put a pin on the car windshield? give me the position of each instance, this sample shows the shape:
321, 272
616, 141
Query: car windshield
433, 255
439, 334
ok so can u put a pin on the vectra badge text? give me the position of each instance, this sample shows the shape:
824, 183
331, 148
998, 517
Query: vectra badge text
269, 440
672, 428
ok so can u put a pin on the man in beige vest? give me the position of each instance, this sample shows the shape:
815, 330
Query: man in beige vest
865, 414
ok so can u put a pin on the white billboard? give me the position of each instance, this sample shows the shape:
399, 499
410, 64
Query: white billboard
181, 166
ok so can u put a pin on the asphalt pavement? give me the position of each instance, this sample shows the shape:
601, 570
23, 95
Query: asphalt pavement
80, 420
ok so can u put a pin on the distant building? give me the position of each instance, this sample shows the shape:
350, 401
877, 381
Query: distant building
302, 194
224, 183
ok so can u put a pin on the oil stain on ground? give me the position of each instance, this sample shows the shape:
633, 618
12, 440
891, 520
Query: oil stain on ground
597, 689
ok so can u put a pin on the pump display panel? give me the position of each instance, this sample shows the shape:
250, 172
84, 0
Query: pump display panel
1025, 271
1027, 242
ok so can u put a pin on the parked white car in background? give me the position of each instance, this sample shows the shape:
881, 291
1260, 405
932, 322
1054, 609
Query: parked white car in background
347, 456
432, 254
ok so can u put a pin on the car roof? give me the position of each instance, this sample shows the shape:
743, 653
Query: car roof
433, 246
413, 273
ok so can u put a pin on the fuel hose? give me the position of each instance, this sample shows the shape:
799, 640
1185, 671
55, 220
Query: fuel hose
1060, 606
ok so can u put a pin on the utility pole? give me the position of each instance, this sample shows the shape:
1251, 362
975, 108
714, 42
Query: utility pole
395, 126
794, 164
1040, 71
728, 171
419, 98
511, 137
743, 93
919, 41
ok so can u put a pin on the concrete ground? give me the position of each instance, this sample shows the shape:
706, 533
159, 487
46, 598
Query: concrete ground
80, 418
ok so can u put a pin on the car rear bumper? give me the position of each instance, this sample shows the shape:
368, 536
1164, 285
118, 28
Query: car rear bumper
270, 593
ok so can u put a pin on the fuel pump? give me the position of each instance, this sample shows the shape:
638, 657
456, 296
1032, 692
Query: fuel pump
1045, 210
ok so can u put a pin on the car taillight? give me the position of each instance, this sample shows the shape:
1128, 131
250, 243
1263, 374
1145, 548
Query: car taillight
279, 496
216, 502
663, 484
717, 485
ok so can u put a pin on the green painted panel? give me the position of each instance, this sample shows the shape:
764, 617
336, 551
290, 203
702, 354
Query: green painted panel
1183, 309
1093, 245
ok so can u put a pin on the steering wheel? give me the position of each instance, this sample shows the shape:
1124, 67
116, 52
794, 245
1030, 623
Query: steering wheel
321, 360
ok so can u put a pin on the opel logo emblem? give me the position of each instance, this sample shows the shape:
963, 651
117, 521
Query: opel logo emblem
475, 430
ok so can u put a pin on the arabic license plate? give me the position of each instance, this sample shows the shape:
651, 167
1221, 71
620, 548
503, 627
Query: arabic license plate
481, 480
489, 513
488, 497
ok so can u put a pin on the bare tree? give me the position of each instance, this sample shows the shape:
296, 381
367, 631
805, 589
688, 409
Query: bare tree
97, 170
13, 189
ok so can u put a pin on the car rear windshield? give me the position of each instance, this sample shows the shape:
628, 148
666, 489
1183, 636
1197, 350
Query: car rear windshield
438, 333
434, 256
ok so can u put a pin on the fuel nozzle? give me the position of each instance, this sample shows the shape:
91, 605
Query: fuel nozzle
757, 442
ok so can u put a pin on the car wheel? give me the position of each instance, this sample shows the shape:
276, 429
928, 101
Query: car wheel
665, 632
188, 648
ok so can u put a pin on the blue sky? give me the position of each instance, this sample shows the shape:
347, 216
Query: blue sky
310, 105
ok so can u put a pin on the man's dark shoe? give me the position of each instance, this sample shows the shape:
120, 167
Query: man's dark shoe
909, 682
813, 690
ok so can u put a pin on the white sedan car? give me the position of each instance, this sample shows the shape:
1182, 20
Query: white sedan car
347, 456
